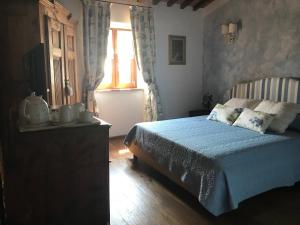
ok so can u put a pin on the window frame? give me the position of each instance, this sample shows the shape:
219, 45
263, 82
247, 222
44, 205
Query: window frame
115, 72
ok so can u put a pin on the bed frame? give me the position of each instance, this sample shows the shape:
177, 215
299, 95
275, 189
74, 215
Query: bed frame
275, 88
139, 154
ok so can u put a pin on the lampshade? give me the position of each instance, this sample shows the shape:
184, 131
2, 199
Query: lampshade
232, 28
224, 29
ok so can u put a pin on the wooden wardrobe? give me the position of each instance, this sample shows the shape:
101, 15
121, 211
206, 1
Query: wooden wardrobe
56, 176
58, 38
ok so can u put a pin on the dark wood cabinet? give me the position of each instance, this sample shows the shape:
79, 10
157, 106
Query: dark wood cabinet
25, 57
59, 176
51, 65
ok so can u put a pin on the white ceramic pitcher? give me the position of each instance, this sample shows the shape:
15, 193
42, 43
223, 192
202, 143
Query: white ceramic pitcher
34, 110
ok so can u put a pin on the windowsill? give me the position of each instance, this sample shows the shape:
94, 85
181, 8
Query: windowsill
119, 89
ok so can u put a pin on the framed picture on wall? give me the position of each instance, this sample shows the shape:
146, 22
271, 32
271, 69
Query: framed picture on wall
177, 50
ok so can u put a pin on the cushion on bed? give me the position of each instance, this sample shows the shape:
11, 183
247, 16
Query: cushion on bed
243, 103
284, 114
225, 114
253, 120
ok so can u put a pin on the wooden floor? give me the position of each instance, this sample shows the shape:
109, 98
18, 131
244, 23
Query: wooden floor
141, 196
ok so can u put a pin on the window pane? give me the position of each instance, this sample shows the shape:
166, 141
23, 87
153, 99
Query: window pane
108, 62
125, 55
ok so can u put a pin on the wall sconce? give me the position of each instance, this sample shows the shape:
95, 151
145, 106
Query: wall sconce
229, 32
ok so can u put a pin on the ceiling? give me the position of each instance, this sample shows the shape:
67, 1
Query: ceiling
196, 4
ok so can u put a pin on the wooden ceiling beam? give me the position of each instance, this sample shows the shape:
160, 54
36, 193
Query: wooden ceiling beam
185, 3
155, 2
171, 2
202, 4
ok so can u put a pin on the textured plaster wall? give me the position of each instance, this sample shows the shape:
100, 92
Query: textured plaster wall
268, 43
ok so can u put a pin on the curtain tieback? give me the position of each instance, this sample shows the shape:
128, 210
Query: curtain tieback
152, 87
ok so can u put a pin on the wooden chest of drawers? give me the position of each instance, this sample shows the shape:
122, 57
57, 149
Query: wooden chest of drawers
59, 176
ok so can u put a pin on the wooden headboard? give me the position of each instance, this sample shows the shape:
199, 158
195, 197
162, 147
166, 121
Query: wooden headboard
274, 88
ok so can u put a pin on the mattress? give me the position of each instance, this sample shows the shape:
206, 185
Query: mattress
221, 164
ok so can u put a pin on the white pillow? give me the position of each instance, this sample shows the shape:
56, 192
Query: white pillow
243, 103
284, 114
224, 114
253, 120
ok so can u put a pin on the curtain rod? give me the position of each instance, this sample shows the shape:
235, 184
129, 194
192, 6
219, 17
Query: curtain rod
125, 3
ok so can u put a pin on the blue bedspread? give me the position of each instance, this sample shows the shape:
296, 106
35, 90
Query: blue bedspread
221, 164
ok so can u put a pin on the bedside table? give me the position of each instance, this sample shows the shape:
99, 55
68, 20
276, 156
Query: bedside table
199, 112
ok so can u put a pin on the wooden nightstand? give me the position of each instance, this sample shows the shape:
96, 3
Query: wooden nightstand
199, 112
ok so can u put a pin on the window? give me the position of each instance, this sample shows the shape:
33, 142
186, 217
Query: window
120, 65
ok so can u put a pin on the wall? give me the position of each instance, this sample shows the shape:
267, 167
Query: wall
268, 43
121, 108
180, 86
175, 82
120, 13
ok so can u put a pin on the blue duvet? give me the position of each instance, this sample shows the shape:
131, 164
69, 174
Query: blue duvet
221, 164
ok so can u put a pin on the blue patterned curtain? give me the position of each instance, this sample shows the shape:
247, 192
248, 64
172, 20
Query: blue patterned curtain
144, 43
96, 23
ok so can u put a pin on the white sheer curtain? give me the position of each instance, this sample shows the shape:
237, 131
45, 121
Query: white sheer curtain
144, 44
96, 23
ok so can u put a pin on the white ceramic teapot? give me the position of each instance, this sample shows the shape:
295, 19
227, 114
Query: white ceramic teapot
34, 110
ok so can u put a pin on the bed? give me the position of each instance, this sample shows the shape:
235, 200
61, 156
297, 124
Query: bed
219, 164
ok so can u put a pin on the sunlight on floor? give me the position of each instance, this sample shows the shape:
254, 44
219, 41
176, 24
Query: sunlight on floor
124, 151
